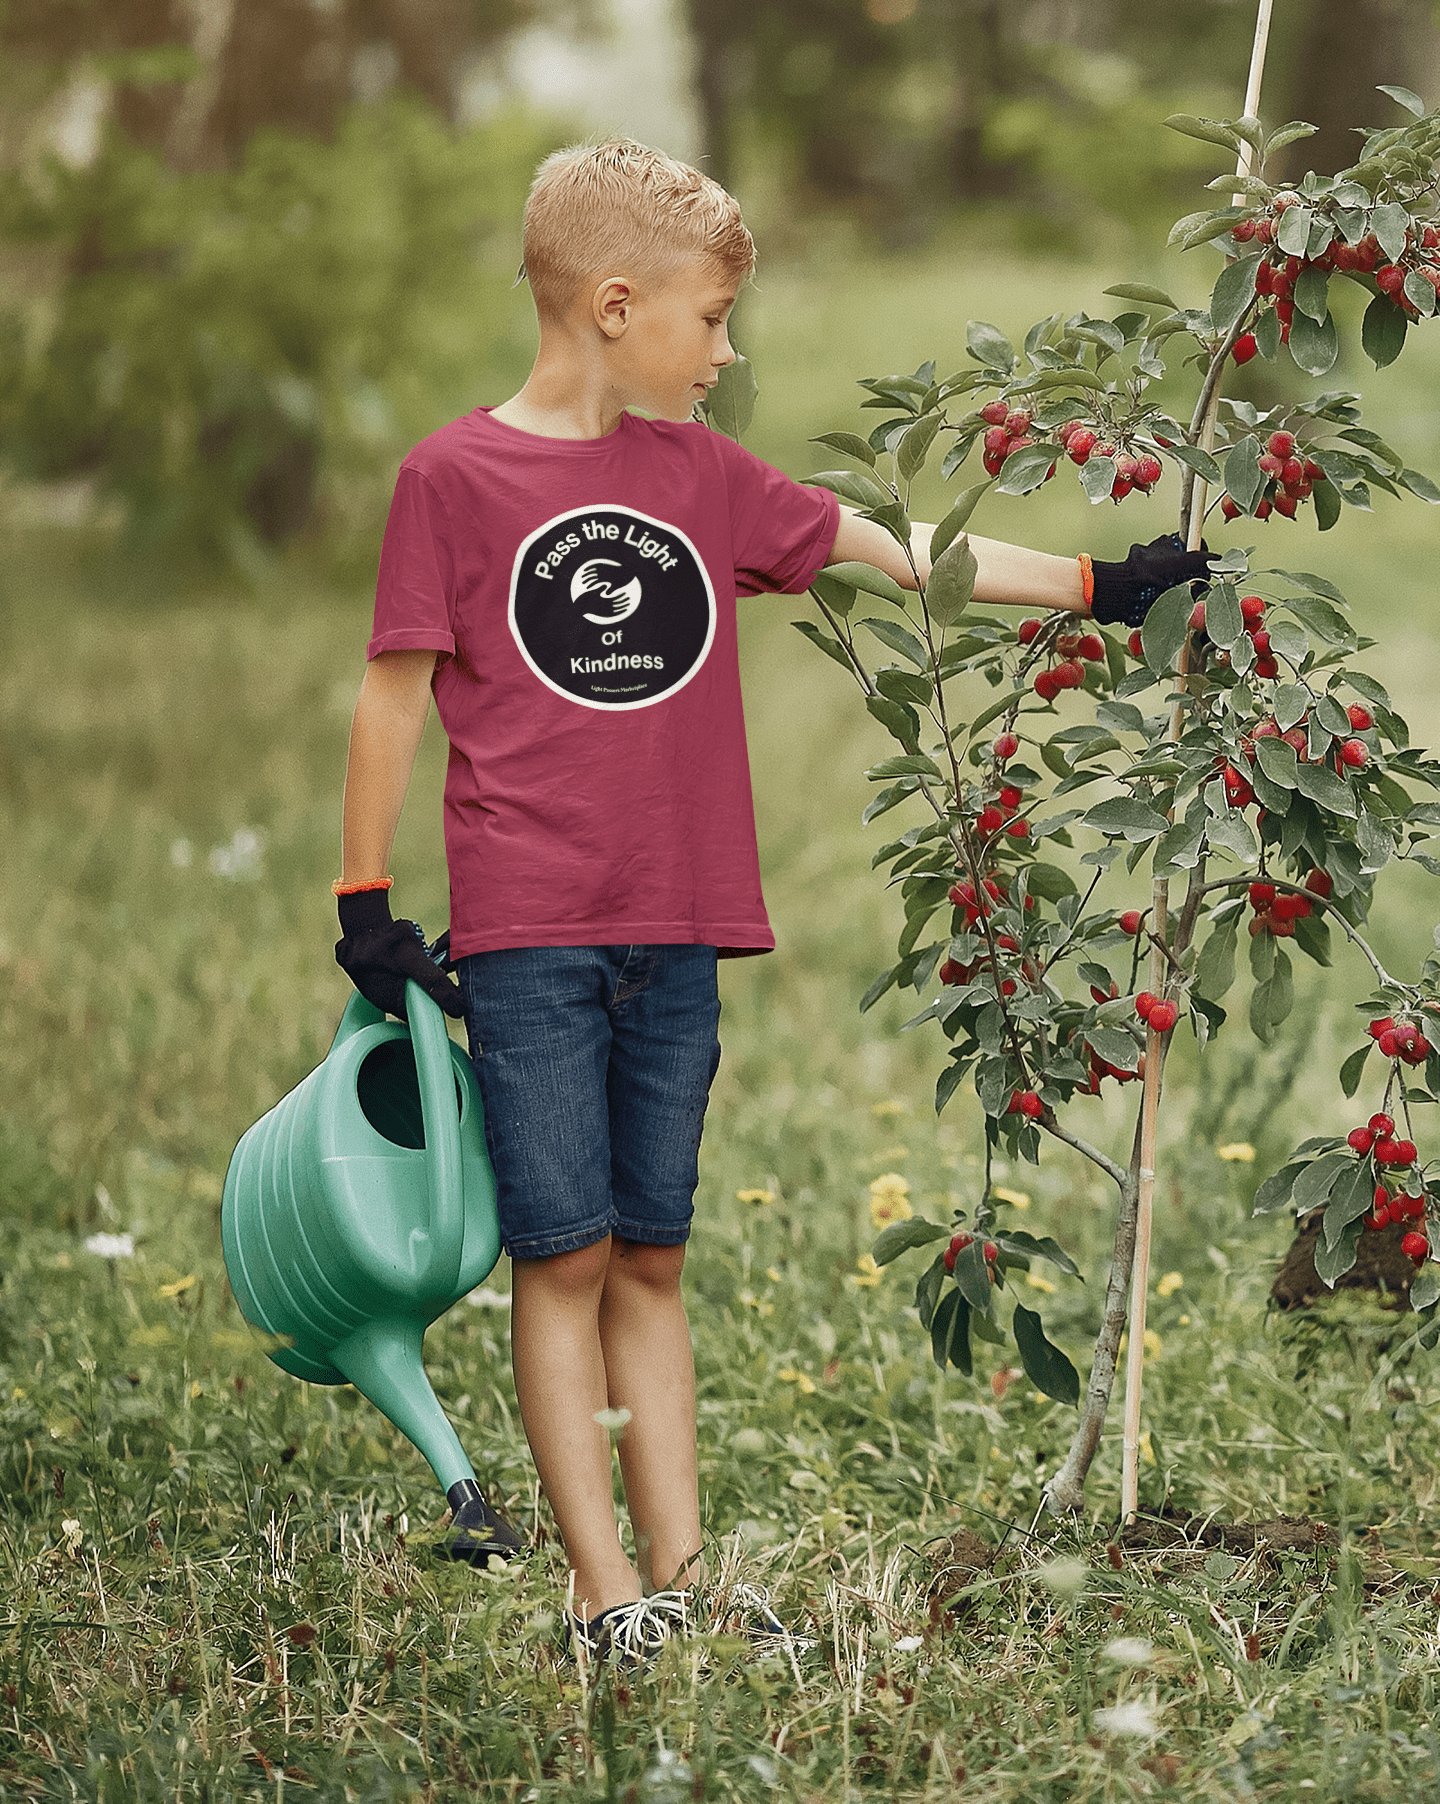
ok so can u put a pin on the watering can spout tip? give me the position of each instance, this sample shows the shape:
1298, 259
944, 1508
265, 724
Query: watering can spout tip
478, 1533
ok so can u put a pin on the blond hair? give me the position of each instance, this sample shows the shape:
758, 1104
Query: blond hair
620, 208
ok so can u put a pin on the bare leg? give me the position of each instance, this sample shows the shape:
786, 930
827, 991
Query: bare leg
560, 1381
650, 1371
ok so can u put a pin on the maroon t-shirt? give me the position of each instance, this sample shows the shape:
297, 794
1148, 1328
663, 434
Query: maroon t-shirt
598, 790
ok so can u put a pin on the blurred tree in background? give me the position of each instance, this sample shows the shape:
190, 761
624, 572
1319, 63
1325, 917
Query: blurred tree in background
255, 248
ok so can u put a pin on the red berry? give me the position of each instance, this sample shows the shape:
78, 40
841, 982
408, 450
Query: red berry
1026, 1102
1415, 1246
1148, 472
1381, 1125
1267, 666
1238, 792
962, 895
1046, 687
951, 973
1028, 630
1389, 1043
1355, 753
1390, 279
1228, 508
1263, 510
1163, 1017
1298, 741
1280, 444
1383, 1026
1285, 506
1272, 466
994, 462
1261, 895
1387, 1152
1361, 1139
1005, 746
990, 820
1378, 1218
1079, 445
1360, 718
1091, 648
1120, 488
995, 413
1011, 797
1294, 469
1319, 883
1252, 609
1260, 639
1243, 229
992, 1252
1313, 472
1197, 617
1070, 674
1017, 422
1134, 646
1417, 1051
1130, 921
1244, 347
1405, 1152
955, 1248
996, 441
1144, 1003
1019, 829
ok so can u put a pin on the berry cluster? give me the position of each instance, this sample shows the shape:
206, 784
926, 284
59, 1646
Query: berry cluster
1027, 1103
958, 1245
964, 896
1400, 1040
1066, 658
1377, 1139
1277, 912
1162, 1016
1290, 478
1009, 429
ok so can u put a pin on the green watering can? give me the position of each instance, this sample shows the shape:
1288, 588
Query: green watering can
357, 1211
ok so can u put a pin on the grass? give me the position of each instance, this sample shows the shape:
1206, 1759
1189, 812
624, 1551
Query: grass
215, 1578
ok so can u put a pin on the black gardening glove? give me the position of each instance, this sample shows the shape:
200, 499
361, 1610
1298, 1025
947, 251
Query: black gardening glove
1124, 592
378, 954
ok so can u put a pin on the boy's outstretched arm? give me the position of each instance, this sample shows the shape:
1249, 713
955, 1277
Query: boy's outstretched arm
376, 952
1013, 576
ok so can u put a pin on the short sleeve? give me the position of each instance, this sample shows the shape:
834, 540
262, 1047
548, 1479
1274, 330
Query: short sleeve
782, 532
415, 590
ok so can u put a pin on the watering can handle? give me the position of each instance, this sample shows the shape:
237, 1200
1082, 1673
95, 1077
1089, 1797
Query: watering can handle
439, 1109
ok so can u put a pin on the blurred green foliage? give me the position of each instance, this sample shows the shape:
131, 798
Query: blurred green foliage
234, 353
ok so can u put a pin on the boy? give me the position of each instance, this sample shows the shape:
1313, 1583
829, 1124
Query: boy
562, 574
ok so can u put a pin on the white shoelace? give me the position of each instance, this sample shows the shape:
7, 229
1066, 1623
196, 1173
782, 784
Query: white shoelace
638, 1631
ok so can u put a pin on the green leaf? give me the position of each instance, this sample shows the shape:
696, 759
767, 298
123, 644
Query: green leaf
956, 520
850, 443
951, 584
1327, 505
868, 578
1114, 1046
730, 404
1282, 989
1313, 346
888, 799
927, 1290
831, 647
1215, 968
900, 1236
1382, 331
1292, 233
1404, 97
1312, 287
905, 686
1333, 1262
1045, 1365
1323, 787
1223, 619
1243, 476
1137, 820
1209, 131
1288, 134
1391, 225
1353, 1068
990, 346
902, 722
914, 447
1420, 485
1049, 882
1201, 462
1165, 627
1142, 292
1027, 1246
837, 596
1274, 1193
1179, 849
891, 633
950, 1333
1277, 760
916, 764
1025, 470
1233, 291
1319, 1178
972, 1275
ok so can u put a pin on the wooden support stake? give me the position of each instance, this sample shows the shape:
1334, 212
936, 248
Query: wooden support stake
1159, 912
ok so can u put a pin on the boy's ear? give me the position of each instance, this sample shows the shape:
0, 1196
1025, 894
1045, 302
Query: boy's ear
611, 305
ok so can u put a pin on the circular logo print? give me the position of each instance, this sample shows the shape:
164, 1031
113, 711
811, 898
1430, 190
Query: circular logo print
611, 608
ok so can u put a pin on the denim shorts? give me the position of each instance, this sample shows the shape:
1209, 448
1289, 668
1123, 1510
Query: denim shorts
595, 1065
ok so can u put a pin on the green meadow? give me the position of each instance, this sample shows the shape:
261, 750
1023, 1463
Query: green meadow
214, 1581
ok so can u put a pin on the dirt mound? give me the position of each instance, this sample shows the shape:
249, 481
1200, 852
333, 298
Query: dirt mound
1174, 1529
1379, 1266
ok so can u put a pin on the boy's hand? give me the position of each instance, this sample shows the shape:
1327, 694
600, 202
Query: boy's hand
377, 954
1124, 592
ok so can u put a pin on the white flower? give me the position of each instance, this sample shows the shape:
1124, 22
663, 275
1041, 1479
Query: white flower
485, 1298
111, 1246
241, 858
1129, 1650
1130, 1718
907, 1644
182, 854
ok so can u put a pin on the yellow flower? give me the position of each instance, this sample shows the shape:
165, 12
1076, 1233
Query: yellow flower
1169, 1284
1036, 1282
180, 1285
1017, 1199
1147, 1452
1237, 1152
751, 1301
889, 1199
759, 1197
890, 1110
772, 1274
866, 1273
801, 1380
1150, 1340
1184, 1321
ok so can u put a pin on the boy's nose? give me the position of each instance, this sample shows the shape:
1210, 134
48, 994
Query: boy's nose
726, 357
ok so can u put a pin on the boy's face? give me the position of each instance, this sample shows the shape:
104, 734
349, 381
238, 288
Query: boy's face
672, 340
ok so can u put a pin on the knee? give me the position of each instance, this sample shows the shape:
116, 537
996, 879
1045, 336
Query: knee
650, 1268
567, 1277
